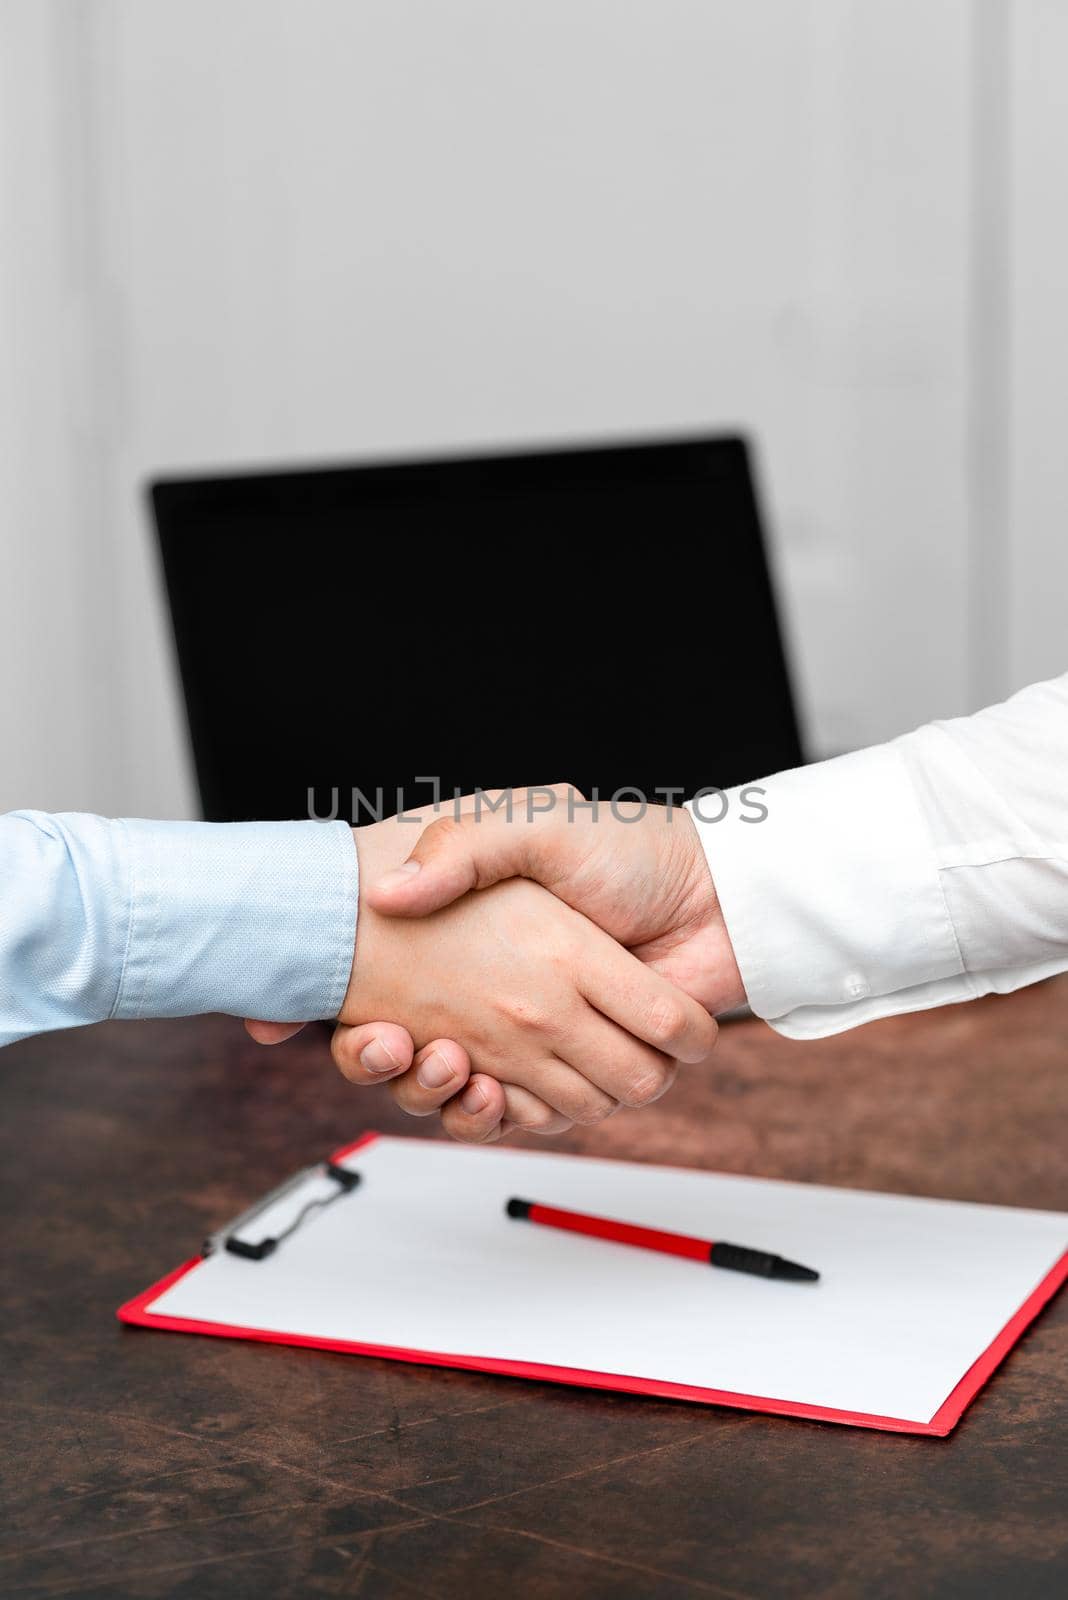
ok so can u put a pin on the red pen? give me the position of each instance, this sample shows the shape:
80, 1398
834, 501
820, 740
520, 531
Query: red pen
736, 1257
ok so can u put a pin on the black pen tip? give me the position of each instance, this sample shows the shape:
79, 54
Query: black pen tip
762, 1263
519, 1208
794, 1271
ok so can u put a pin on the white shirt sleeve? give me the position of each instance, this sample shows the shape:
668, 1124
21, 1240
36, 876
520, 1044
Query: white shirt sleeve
928, 870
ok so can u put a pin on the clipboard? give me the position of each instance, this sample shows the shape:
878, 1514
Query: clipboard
401, 1249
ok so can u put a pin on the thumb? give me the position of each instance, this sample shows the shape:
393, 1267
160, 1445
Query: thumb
471, 851
451, 857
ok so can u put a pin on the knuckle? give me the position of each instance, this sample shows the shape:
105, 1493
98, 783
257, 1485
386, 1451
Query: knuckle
701, 1042
444, 834
667, 1020
564, 959
524, 1012
408, 1098
487, 1135
461, 1131
589, 1108
538, 1119
645, 1085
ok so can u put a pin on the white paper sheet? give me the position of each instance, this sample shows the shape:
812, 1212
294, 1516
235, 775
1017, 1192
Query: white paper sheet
422, 1256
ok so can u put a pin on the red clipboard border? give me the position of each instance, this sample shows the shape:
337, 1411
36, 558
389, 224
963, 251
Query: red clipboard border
136, 1313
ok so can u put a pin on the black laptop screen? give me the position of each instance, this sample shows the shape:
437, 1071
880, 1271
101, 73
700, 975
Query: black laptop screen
350, 635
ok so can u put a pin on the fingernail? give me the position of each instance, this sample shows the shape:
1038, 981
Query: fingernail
378, 1057
435, 1071
398, 875
473, 1100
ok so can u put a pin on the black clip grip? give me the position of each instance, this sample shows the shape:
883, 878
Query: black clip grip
259, 1249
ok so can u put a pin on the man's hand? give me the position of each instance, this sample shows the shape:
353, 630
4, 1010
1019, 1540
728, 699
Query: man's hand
639, 872
540, 997
421, 1081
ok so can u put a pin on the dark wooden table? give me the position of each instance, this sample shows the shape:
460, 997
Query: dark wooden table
147, 1464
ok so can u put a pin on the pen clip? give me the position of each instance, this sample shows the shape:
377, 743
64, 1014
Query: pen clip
226, 1238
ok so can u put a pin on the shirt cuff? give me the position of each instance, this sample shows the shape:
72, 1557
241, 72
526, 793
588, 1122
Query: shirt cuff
257, 919
832, 899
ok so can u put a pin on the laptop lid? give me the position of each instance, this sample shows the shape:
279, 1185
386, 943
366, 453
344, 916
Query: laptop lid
355, 638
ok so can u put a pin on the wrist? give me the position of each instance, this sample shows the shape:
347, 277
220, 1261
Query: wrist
715, 980
723, 975
711, 974
378, 846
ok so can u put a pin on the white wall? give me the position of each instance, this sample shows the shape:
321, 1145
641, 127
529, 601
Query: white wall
59, 735
1037, 376
266, 231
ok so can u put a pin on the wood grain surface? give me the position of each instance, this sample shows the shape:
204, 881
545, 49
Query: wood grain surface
143, 1464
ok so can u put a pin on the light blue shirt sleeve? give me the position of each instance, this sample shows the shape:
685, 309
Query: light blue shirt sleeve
126, 918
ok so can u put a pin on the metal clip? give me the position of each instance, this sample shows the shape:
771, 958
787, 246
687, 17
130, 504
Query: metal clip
225, 1238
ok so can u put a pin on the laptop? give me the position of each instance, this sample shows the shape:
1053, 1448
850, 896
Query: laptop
357, 640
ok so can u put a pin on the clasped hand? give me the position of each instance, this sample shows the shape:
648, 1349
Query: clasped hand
539, 1003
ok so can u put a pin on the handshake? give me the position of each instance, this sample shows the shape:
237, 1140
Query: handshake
540, 967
